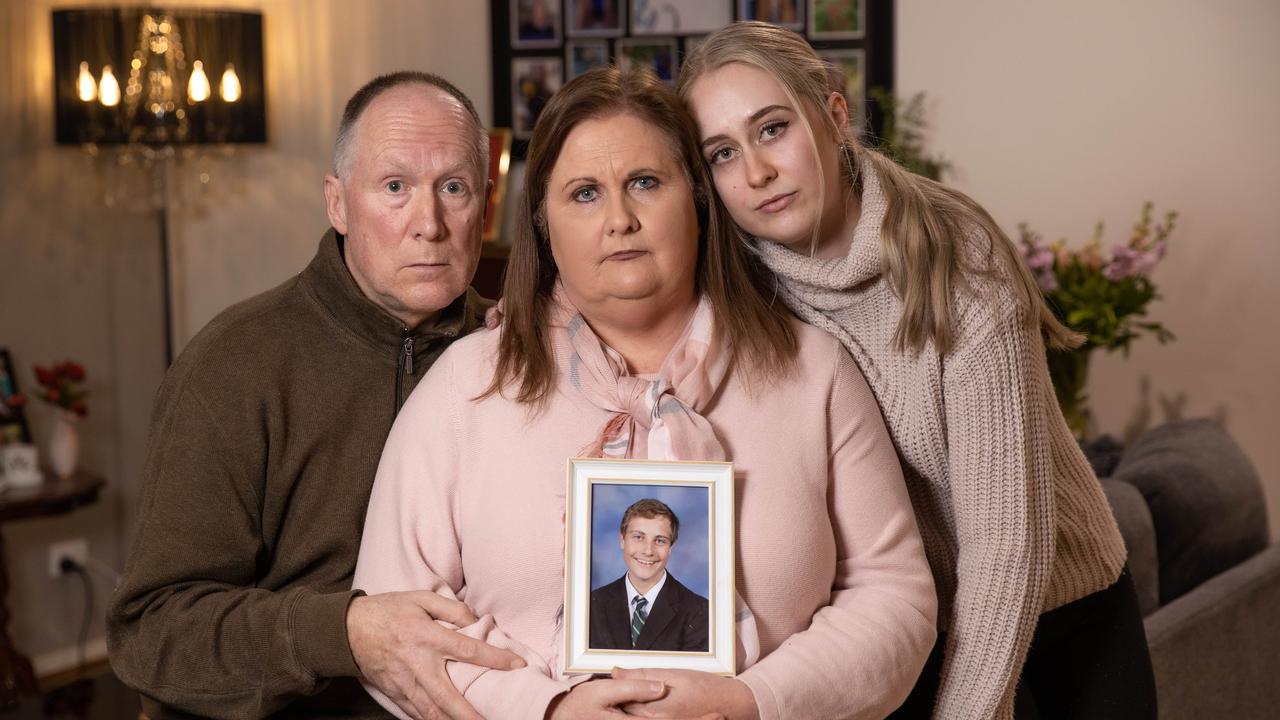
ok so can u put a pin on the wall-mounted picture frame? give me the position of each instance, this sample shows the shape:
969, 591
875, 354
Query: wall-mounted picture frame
649, 566
595, 18
678, 17
533, 81
661, 54
535, 24
852, 65
583, 55
625, 32
786, 13
499, 164
13, 418
837, 19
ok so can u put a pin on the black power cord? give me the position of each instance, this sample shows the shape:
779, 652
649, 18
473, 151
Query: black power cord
67, 565
75, 699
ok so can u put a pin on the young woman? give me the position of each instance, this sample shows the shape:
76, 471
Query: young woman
947, 325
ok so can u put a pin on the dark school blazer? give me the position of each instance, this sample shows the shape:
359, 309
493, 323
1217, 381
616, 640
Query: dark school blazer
678, 620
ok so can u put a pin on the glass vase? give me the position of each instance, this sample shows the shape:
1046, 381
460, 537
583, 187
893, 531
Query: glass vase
1069, 370
64, 443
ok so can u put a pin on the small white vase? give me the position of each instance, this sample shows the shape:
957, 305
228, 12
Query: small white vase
64, 443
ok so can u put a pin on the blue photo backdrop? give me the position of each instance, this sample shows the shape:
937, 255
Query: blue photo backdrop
690, 556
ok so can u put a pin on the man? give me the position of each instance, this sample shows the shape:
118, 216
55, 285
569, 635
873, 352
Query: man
236, 597
646, 608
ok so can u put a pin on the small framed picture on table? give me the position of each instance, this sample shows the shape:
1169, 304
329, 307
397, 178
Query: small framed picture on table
650, 566
499, 164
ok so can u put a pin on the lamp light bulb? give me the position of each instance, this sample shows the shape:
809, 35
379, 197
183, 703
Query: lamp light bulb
230, 86
85, 86
108, 88
198, 88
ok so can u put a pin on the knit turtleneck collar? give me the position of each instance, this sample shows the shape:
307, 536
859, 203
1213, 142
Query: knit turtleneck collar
332, 285
823, 282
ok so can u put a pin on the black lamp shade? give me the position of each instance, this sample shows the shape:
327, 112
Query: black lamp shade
118, 36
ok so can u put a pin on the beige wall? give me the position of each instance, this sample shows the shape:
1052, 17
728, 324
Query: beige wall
1061, 114
78, 279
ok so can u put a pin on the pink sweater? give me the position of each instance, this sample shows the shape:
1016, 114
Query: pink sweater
470, 496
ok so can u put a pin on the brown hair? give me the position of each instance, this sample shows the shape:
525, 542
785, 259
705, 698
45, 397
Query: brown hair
754, 331
650, 508
924, 229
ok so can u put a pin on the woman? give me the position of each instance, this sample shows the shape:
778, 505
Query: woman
627, 293
946, 324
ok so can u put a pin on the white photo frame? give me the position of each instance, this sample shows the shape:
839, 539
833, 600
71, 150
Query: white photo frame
678, 17
533, 81
535, 24
852, 64
584, 18
837, 19
788, 14
596, 492
660, 54
583, 55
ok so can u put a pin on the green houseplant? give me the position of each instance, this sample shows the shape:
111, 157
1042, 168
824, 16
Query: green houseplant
1103, 296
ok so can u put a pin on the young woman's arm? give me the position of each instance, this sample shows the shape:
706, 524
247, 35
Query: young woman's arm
1000, 472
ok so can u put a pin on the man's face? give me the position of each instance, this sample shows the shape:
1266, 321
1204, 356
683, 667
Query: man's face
410, 202
646, 545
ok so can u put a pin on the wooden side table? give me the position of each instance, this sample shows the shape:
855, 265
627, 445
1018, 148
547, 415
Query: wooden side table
53, 497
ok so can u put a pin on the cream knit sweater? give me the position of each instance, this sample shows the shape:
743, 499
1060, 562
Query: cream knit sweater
1013, 520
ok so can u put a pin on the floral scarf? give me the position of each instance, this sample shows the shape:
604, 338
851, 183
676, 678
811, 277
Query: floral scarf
654, 419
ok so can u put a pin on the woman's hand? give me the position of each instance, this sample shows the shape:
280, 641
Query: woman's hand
690, 694
602, 699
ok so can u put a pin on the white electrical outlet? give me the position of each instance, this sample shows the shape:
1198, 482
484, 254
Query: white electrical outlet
76, 548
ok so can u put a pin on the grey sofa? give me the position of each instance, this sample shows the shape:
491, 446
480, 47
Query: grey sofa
1191, 509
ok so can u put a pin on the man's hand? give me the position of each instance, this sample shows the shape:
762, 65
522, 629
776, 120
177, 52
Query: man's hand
691, 693
401, 650
600, 700
493, 316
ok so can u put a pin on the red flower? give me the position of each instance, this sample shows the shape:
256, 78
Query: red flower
53, 395
80, 408
46, 377
16, 401
73, 371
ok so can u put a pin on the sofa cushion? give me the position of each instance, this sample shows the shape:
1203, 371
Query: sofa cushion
1130, 509
1205, 500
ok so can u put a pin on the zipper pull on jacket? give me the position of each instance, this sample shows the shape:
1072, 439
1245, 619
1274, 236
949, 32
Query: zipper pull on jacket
408, 356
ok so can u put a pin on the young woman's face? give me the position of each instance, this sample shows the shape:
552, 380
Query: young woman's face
766, 170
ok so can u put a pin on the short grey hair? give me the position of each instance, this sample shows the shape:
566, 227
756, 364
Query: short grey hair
360, 101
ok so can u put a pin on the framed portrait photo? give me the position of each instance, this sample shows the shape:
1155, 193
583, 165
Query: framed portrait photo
679, 17
649, 566
785, 13
837, 19
533, 81
13, 419
595, 18
659, 54
583, 55
852, 65
535, 23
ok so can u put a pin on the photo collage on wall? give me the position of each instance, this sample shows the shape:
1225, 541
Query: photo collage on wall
541, 44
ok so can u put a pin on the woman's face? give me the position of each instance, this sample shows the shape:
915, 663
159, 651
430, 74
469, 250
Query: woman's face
764, 166
621, 218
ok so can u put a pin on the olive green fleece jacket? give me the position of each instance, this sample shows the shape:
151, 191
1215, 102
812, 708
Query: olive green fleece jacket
265, 439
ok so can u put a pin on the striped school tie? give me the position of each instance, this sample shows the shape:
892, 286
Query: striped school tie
638, 617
